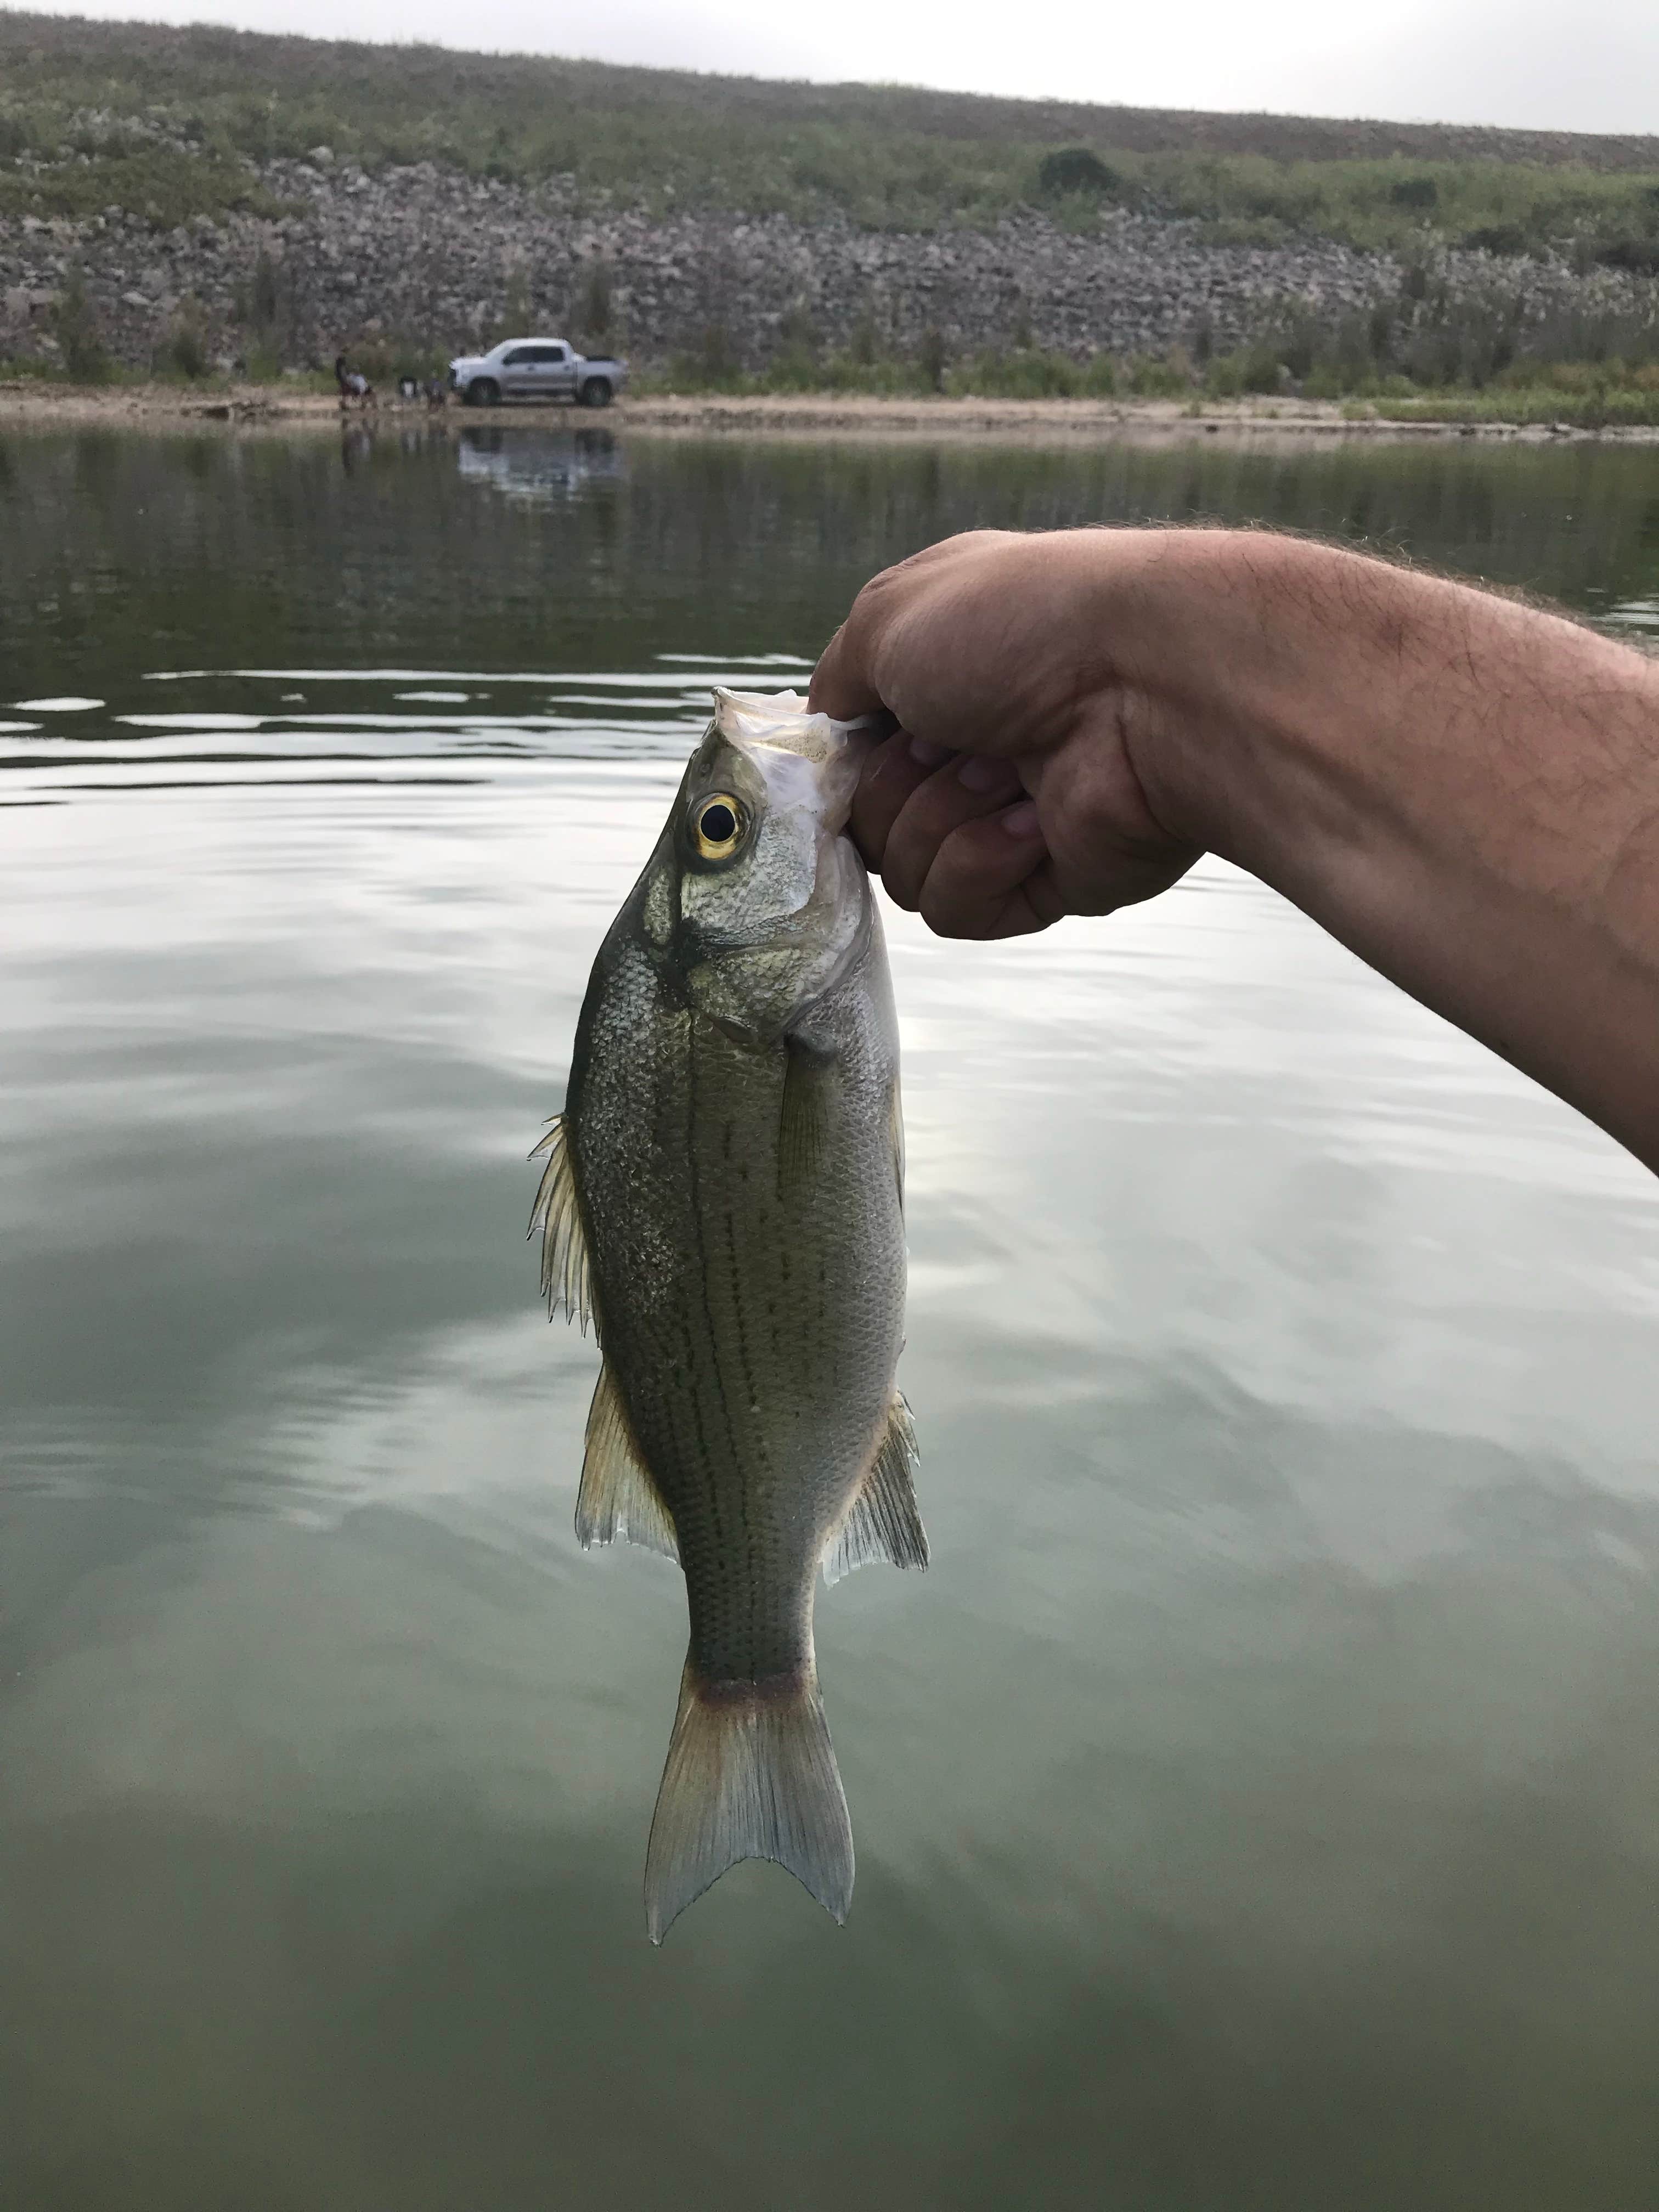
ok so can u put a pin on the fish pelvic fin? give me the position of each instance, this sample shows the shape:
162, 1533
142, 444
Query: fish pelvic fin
617, 1496
883, 1522
750, 1775
556, 1218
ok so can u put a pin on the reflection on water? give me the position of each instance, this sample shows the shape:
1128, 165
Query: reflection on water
539, 471
1254, 1801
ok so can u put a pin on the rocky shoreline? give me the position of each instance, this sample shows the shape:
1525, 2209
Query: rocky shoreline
427, 255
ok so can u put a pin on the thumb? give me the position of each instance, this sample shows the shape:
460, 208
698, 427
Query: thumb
840, 685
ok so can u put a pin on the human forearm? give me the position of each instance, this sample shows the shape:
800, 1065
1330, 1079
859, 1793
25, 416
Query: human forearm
1463, 789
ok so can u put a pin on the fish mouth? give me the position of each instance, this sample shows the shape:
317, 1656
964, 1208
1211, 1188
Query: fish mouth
775, 731
783, 718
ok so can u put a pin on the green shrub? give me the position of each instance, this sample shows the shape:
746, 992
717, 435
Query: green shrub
184, 349
863, 344
264, 293
1075, 169
594, 305
75, 326
1504, 237
1167, 376
1637, 254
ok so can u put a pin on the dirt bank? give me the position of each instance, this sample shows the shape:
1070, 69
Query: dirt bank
26, 401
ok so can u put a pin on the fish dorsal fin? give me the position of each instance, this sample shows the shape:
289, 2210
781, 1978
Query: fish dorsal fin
617, 1495
567, 1279
884, 1523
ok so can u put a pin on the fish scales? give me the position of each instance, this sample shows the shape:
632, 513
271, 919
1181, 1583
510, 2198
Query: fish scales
732, 1140
765, 1390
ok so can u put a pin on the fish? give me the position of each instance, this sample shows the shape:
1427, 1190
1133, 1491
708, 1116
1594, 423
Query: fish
723, 1197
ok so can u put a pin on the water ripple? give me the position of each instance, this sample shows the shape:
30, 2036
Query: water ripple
444, 732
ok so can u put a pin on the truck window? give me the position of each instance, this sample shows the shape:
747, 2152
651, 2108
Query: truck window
518, 357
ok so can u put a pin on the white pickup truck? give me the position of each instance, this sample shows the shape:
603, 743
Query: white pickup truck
535, 368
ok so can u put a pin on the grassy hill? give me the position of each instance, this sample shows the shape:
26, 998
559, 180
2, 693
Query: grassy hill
163, 120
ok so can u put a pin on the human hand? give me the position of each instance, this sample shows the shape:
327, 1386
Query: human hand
1009, 795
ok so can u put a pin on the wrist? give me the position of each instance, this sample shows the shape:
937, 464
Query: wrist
1202, 674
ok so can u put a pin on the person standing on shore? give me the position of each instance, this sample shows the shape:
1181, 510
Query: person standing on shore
1462, 787
353, 384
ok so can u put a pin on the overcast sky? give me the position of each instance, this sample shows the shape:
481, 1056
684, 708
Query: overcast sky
1519, 62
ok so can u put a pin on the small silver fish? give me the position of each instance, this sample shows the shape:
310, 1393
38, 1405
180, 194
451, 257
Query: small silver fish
724, 1194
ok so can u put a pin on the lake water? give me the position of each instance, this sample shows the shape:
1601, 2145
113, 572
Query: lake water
1257, 1804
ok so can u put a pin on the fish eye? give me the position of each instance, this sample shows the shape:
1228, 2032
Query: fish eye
718, 826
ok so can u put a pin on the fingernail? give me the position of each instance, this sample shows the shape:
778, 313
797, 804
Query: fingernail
1021, 821
977, 774
926, 754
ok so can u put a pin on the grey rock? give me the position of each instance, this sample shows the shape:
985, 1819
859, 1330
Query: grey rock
426, 254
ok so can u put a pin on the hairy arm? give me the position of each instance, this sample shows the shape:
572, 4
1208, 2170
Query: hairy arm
1463, 789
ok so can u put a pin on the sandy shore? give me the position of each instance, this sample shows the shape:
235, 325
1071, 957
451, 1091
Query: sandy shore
24, 401
1053, 419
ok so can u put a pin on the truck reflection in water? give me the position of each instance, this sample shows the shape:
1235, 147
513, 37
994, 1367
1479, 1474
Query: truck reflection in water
538, 468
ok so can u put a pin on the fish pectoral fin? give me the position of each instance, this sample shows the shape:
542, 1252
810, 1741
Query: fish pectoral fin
896, 1137
617, 1496
883, 1522
567, 1279
750, 1775
803, 1117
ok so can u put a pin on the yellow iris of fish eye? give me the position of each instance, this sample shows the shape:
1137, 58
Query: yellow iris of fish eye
719, 826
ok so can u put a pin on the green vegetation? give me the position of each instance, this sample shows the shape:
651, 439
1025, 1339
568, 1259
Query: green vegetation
1427, 352
1425, 341
1609, 392
184, 351
1586, 395
161, 183
163, 121
75, 325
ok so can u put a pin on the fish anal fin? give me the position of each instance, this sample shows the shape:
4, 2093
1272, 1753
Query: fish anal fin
556, 1218
617, 1496
750, 1775
883, 1522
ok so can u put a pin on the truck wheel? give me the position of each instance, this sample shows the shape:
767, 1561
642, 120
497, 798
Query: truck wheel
596, 392
483, 392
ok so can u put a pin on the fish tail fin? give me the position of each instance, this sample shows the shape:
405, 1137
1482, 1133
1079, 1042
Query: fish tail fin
750, 1775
